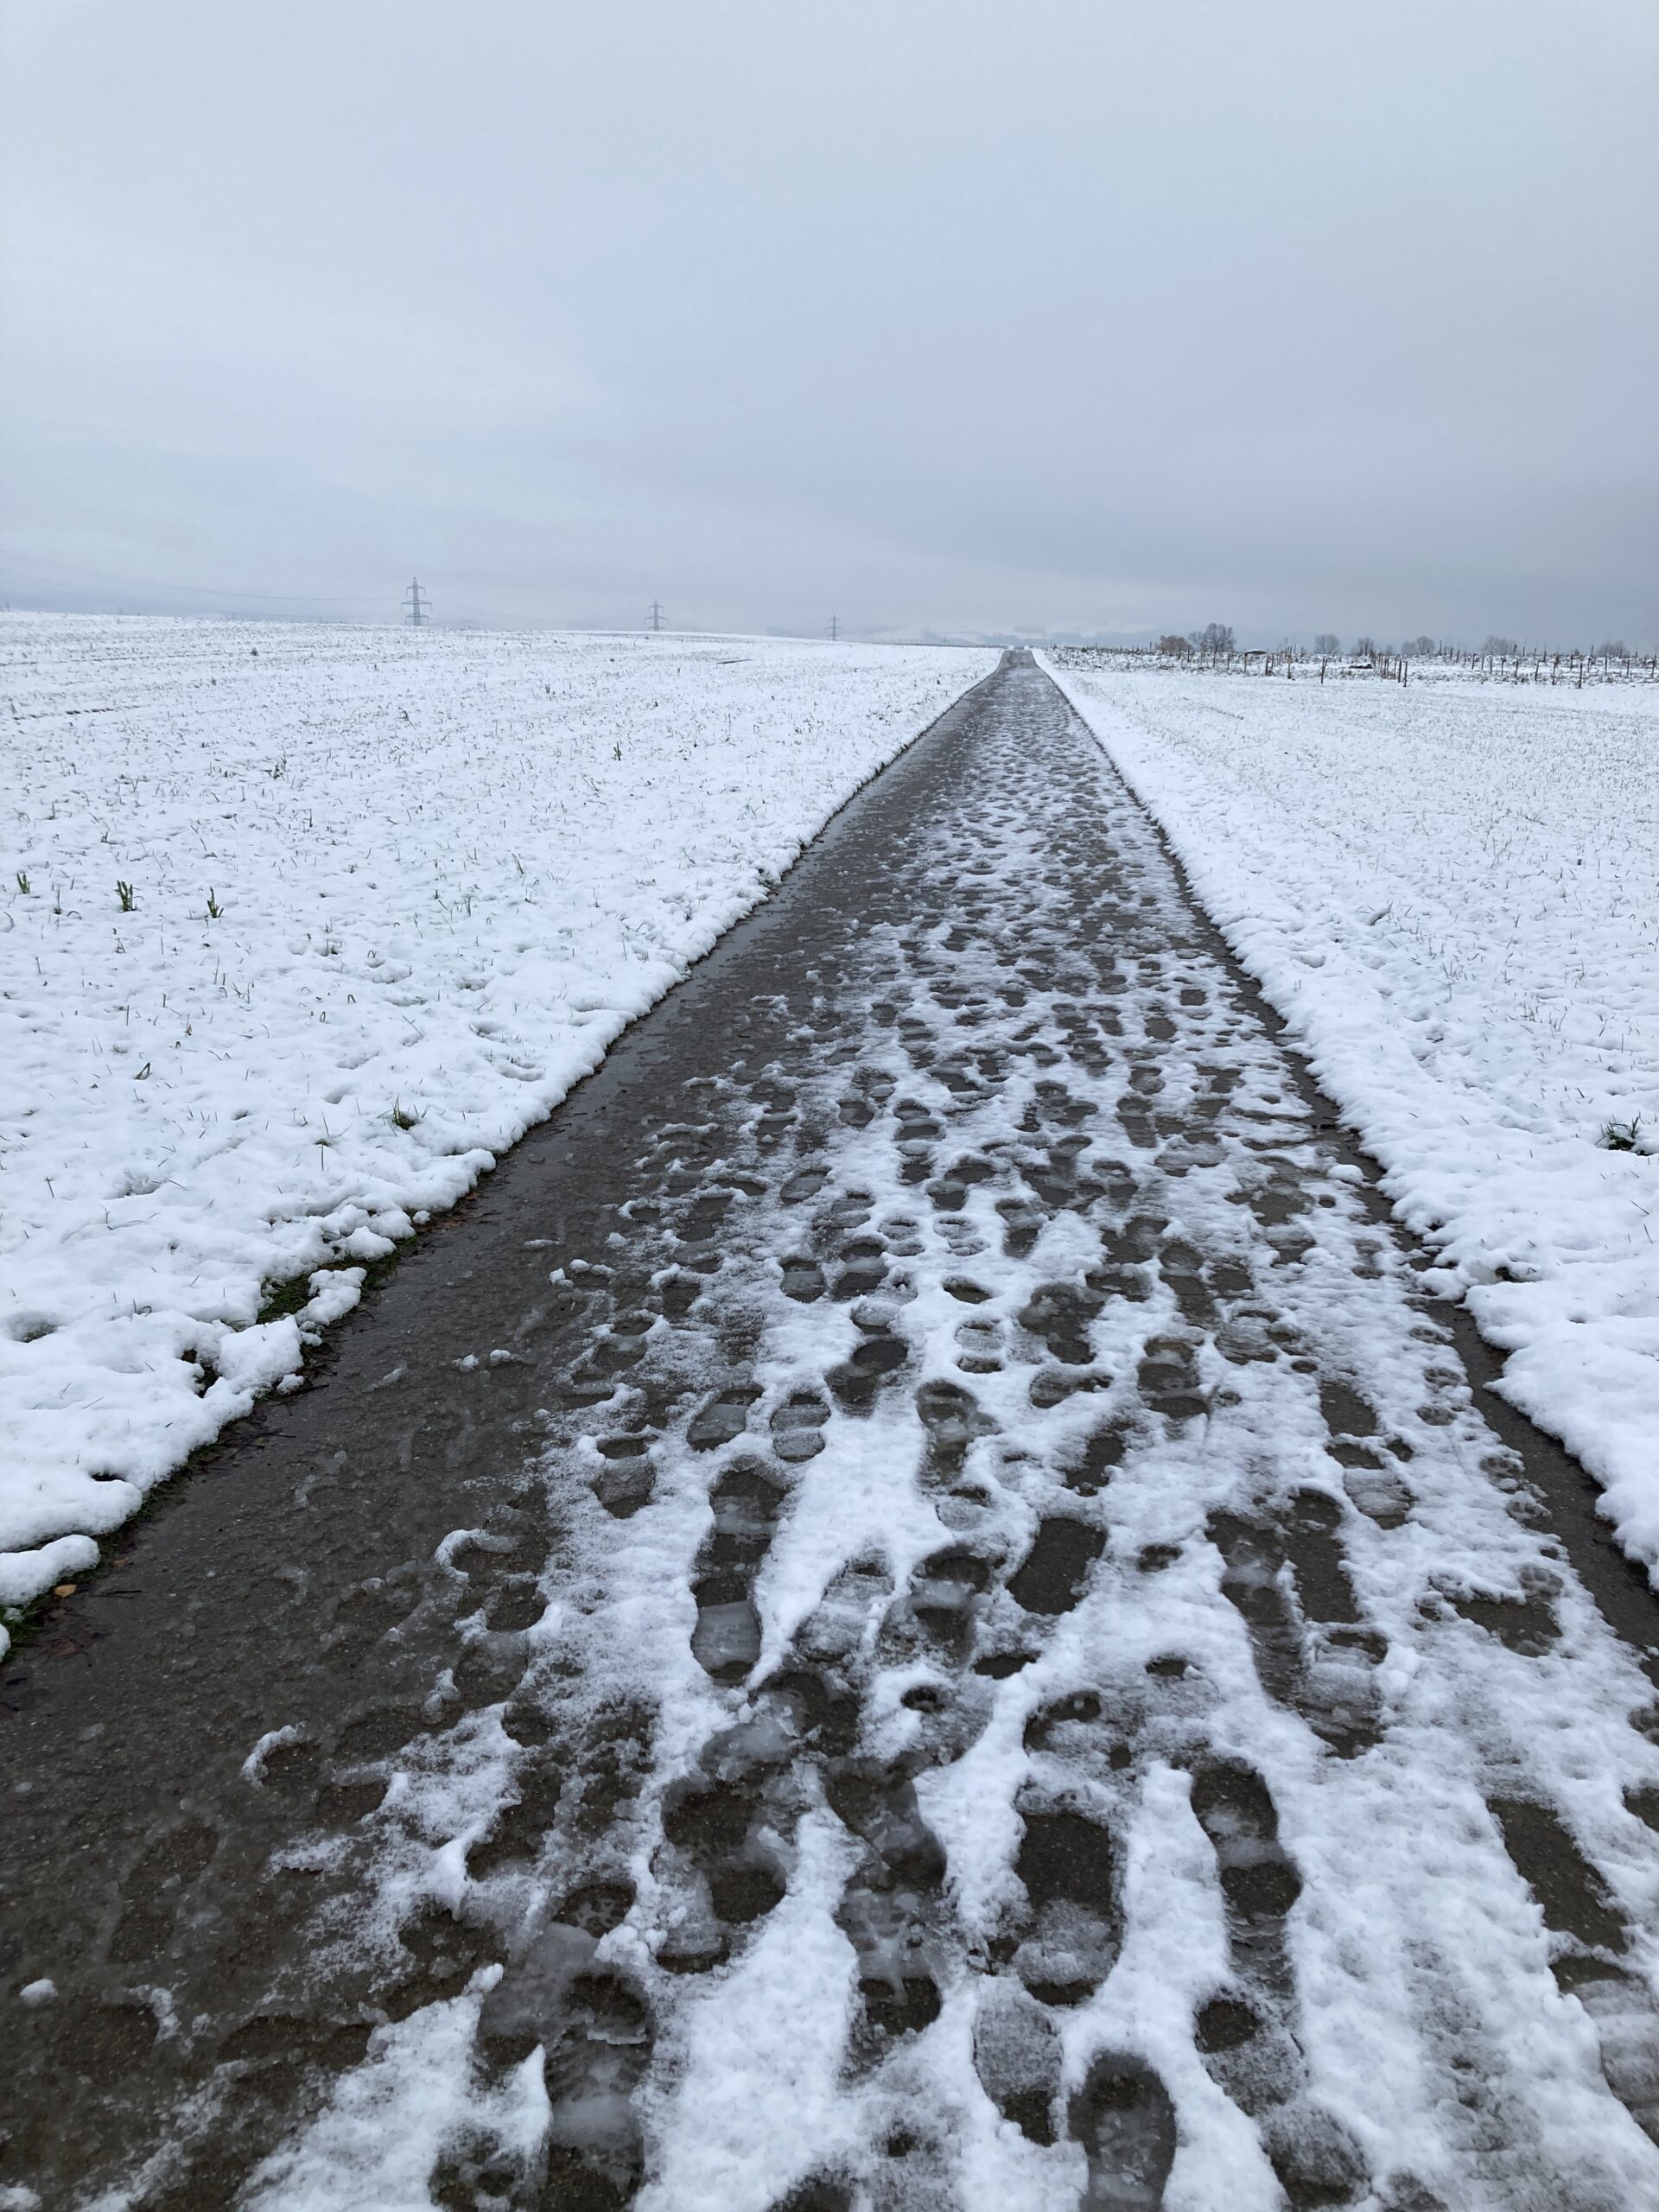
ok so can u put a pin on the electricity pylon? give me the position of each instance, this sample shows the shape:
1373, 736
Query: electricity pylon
415, 607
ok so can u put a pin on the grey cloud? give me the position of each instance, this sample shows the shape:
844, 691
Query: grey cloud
1103, 316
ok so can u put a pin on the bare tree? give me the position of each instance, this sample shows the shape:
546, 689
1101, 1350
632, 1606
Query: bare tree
1501, 648
1419, 648
1327, 642
1214, 637
1175, 648
1364, 648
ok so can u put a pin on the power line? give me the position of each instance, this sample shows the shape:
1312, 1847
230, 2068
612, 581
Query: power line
417, 614
655, 615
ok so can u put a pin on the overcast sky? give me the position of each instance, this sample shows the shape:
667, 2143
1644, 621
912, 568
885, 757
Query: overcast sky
933, 313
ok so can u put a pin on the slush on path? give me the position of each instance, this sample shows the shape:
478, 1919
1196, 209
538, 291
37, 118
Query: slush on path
911, 1608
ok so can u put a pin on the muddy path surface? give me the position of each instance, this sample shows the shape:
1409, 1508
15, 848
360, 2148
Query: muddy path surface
910, 1609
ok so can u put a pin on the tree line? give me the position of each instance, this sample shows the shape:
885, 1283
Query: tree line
1506, 659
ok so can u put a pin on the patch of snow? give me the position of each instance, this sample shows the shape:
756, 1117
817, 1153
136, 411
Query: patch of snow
372, 2151
20, 1581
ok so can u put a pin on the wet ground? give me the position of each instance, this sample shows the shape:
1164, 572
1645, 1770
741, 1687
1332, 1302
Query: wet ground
907, 1608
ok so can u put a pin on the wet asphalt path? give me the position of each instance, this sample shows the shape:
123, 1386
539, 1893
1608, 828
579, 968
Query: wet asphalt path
906, 1609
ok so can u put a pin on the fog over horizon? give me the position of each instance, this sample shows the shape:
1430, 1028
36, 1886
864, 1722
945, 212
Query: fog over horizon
956, 319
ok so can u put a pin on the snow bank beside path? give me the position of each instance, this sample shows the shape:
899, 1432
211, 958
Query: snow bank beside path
1451, 893
448, 867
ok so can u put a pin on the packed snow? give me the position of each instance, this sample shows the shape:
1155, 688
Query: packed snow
1449, 891
301, 926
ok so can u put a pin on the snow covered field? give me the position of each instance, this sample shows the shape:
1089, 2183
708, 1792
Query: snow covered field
1451, 892
299, 926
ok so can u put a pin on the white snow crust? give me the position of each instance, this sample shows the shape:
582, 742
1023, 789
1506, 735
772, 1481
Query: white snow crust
450, 867
1449, 890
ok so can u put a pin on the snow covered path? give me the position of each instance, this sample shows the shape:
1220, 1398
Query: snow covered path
970, 1650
